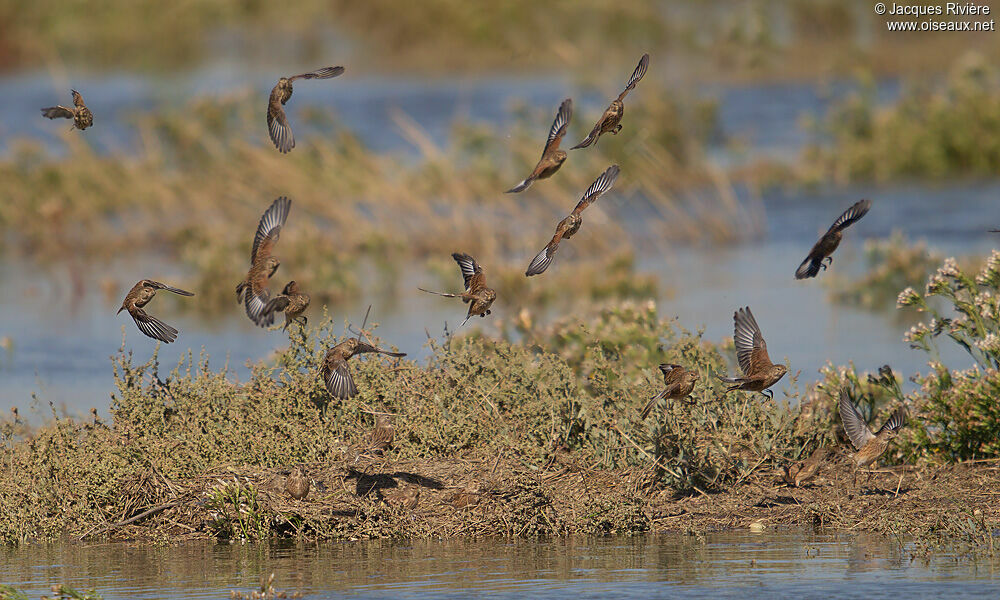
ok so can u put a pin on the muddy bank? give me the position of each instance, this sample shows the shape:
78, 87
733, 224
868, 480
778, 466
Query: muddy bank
372, 497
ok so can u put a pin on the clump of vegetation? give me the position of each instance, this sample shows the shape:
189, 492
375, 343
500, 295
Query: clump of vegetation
535, 434
568, 394
955, 412
926, 134
892, 264
953, 415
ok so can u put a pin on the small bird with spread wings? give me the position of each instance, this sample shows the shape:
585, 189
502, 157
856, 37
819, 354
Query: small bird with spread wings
759, 373
138, 297
822, 251
612, 118
680, 383
336, 372
870, 446
81, 115
552, 157
277, 122
477, 294
252, 291
568, 227
292, 301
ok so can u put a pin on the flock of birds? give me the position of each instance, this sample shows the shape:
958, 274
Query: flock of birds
759, 373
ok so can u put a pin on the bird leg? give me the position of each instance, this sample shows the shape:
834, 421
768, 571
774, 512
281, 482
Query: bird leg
829, 258
617, 129
768, 394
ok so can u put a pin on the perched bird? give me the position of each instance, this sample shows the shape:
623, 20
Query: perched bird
297, 484
252, 291
383, 434
759, 373
571, 224
802, 472
611, 119
138, 297
680, 383
277, 123
823, 249
405, 497
292, 301
81, 115
336, 372
552, 157
477, 294
869, 445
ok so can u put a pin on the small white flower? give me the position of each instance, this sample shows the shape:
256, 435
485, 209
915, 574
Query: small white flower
950, 268
936, 284
989, 273
990, 343
916, 333
907, 297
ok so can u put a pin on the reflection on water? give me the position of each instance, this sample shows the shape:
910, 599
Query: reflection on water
719, 565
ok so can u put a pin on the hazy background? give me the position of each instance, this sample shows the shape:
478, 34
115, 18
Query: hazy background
757, 124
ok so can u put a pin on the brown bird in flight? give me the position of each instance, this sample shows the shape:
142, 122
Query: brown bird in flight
552, 157
869, 445
81, 115
477, 294
680, 383
611, 119
252, 291
292, 301
571, 224
759, 373
822, 251
277, 122
336, 372
138, 297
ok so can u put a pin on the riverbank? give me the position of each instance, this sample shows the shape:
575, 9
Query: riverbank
534, 437
366, 497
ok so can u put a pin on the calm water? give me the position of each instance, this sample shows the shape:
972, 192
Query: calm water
722, 565
60, 344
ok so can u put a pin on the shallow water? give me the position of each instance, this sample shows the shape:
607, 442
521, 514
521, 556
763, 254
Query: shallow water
718, 565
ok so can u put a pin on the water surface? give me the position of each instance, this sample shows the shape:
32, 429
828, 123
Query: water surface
718, 565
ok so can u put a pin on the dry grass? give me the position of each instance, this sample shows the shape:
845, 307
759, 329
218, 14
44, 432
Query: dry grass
195, 192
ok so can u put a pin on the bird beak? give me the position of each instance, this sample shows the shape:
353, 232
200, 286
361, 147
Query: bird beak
120, 310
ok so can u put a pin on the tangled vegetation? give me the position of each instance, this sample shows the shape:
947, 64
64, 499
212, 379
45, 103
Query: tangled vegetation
785, 38
930, 132
569, 394
194, 193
